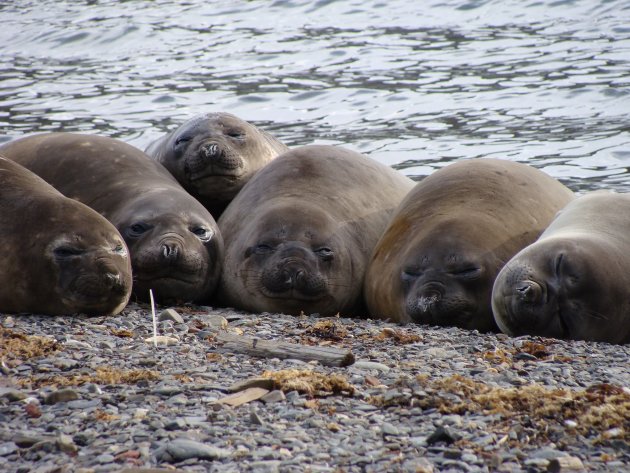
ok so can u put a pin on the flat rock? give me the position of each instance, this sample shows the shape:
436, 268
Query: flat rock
62, 395
172, 315
182, 449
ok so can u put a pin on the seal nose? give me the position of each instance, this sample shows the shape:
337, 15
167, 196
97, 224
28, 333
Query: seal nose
425, 303
170, 251
529, 291
211, 151
431, 292
216, 155
112, 278
293, 276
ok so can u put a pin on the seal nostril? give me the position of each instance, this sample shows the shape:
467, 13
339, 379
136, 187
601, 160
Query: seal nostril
112, 278
528, 291
425, 303
287, 277
211, 150
169, 251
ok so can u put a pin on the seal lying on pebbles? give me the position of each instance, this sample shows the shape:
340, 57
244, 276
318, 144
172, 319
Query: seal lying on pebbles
299, 233
573, 281
174, 242
60, 256
214, 155
438, 258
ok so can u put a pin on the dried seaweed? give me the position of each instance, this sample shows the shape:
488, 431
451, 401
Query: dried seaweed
103, 375
327, 330
18, 346
594, 410
310, 382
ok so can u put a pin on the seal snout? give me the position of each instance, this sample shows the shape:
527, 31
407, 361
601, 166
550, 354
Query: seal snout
170, 251
529, 291
291, 274
211, 151
215, 155
294, 276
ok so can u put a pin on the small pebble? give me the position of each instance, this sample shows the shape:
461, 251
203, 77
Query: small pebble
61, 395
172, 315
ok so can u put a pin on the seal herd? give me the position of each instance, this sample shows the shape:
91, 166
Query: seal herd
219, 211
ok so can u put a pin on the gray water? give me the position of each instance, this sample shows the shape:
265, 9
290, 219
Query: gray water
413, 84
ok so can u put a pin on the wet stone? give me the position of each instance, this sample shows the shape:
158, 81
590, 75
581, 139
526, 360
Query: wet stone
182, 449
273, 396
389, 429
441, 434
62, 395
12, 395
171, 315
7, 448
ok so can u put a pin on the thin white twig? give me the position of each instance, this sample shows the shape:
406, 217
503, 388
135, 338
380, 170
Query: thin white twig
154, 318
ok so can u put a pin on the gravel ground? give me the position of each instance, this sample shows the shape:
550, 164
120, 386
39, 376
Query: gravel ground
94, 396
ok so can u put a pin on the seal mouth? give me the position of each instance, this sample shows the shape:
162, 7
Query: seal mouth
293, 295
211, 159
229, 177
163, 279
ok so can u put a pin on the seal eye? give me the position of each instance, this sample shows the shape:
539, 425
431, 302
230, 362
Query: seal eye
182, 140
411, 274
263, 249
467, 273
325, 254
120, 250
236, 134
62, 252
202, 232
137, 229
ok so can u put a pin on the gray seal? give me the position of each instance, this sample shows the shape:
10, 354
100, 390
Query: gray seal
573, 281
213, 155
59, 256
175, 245
438, 258
299, 234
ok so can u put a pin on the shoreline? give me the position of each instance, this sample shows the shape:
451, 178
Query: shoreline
100, 398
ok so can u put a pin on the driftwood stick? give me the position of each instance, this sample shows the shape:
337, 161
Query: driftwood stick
328, 356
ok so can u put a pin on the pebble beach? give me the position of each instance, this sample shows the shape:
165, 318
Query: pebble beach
95, 394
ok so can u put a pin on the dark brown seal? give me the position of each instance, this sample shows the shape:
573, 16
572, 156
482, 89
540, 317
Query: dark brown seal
175, 245
59, 256
573, 281
299, 233
438, 258
214, 155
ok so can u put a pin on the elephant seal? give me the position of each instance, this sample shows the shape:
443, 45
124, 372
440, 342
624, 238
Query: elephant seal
213, 155
298, 236
59, 256
438, 258
573, 281
174, 242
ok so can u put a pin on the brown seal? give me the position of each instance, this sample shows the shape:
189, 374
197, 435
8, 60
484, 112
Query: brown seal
438, 258
214, 155
573, 281
299, 234
59, 256
174, 242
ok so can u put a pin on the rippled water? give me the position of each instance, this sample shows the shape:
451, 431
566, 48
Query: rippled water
413, 84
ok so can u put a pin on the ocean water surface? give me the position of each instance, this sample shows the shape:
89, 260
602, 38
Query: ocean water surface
415, 85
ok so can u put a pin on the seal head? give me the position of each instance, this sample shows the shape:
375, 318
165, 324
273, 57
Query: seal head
572, 283
214, 155
61, 257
